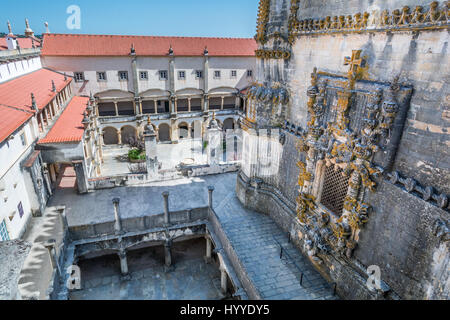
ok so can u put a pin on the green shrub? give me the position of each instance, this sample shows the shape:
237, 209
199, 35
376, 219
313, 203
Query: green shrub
136, 154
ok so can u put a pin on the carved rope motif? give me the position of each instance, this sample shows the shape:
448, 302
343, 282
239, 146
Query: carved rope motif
398, 20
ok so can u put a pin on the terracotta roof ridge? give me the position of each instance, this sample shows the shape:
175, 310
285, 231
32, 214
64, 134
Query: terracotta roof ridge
145, 36
17, 108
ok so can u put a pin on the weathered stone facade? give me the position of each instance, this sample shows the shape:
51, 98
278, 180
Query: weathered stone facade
363, 92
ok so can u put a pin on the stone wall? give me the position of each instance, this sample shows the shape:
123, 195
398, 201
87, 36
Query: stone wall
406, 236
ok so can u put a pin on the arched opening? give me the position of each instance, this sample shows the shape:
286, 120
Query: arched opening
164, 132
229, 102
110, 136
128, 132
196, 128
106, 109
126, 108
183, 130
228, 124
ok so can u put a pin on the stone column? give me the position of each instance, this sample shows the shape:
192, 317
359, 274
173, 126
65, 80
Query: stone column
156, 106
119, 136
223, 280
176, 105
116, 108
81, 176
168, 253
150, 147
189, 104
117, 221
165, 195
208, 256
210, 196
222, 103
41, 117
123, 262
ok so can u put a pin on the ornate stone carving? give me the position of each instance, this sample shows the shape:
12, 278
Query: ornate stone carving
263, 19
275, 94
399, 20
273, 54
352, 150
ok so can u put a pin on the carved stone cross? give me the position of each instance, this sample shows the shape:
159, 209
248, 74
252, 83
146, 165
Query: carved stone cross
355, 62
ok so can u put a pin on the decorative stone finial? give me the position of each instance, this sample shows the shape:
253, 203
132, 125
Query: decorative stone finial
206, 52
171, 50
33, 103
91, 97
9, 29
133, 50
53, 86
46, 27
65, 76
28, 31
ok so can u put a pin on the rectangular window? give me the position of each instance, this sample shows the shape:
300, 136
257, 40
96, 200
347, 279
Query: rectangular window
101, 76
163, 75
23, 139
79, 76
198, 74
143, 75
217, 74
4, 236
123, 75
233, 73
20, 209
334, 190
182, 75
249, 73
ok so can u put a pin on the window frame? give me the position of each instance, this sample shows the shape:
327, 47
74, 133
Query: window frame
4, 231
120, 73
141, 73
166, 77
77, 78
198, 74
217, 74
249, 73
98, 76
235, 74
180, 76
23, 138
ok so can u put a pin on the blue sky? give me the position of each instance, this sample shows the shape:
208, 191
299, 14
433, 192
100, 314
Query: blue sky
215, 18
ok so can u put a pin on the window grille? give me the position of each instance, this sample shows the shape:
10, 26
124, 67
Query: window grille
334, 190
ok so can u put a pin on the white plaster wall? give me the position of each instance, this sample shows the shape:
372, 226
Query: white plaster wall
226, 65
12, 181
15, 69
112, 65
90, 66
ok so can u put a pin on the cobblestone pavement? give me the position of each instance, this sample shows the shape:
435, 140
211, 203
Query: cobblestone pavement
256, 240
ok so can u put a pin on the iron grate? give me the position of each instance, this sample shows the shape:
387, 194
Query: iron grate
334, 190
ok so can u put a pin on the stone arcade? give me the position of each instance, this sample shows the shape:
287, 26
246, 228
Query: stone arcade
341, 164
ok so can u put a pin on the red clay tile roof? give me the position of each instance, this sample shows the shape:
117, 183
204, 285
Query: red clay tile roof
110, 45
24, 43
15, 98
68, 128
17, 92
11, 119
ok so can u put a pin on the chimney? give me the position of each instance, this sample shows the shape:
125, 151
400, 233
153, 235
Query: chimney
28, 31
11, 39
46, 27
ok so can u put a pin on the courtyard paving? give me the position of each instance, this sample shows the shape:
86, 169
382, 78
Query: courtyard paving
191, 278
255, 237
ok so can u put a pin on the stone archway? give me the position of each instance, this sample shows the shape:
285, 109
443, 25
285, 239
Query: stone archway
228, 124
164, 132
183, 130
128, 132
110, 136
